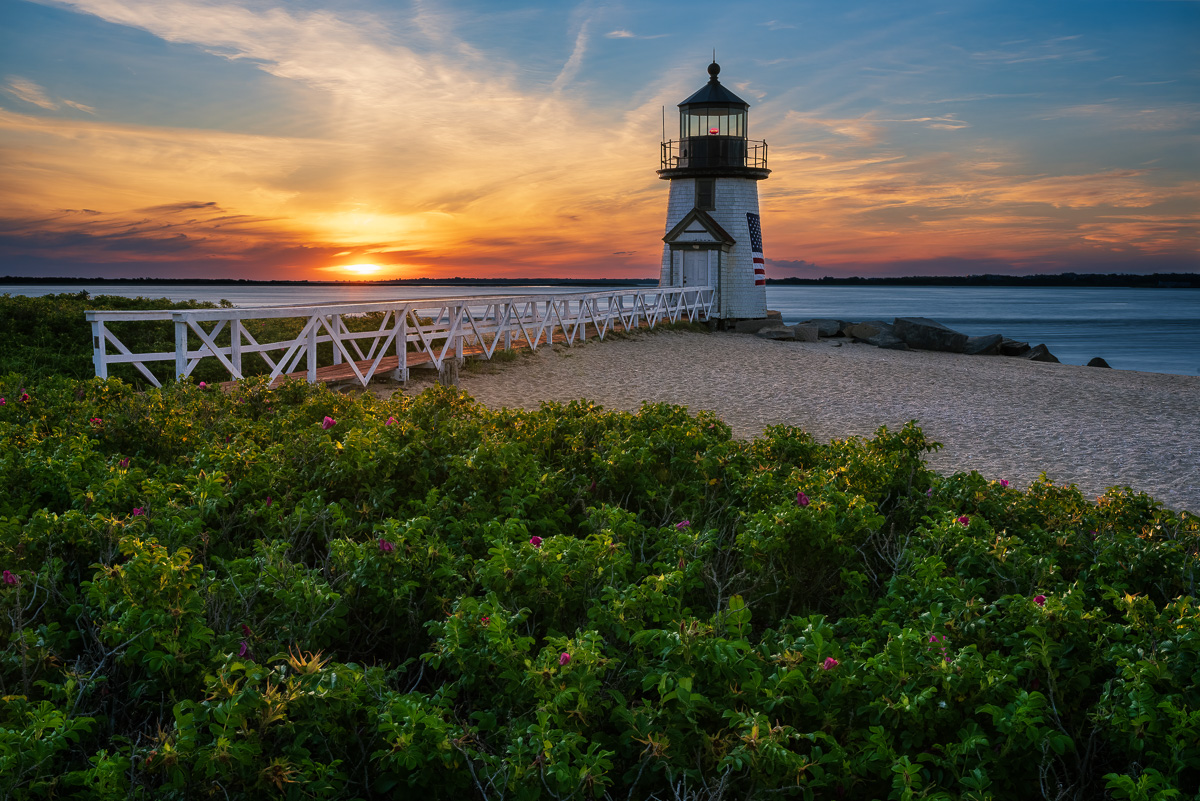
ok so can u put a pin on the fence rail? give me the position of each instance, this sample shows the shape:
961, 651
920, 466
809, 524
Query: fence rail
438, 329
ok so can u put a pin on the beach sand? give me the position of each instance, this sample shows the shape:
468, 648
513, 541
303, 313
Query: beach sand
1007, 418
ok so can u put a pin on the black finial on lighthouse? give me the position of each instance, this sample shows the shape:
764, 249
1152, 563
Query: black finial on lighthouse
714, 69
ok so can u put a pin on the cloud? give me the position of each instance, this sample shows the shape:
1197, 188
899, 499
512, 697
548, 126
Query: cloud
1056, 49
571, 68
1123, 116
621, 33
776, 25
26, 90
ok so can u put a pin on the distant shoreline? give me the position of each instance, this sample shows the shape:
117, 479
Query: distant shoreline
1150, 281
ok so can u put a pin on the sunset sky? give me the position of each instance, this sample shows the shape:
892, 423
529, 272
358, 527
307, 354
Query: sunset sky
246, 139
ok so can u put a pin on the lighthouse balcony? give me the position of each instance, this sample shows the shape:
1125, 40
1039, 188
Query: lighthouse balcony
710, 155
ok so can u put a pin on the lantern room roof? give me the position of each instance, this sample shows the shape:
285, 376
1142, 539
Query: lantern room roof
713, 93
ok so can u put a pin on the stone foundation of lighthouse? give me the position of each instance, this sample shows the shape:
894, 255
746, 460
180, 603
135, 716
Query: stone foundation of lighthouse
731, 273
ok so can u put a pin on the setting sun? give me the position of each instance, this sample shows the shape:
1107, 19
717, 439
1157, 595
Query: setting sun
361, 269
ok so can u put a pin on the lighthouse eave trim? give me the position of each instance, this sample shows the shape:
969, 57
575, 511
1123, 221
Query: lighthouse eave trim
758, 174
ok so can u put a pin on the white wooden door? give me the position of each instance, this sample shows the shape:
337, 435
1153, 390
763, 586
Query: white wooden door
695, 267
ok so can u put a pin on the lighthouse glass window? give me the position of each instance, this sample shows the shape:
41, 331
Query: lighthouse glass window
713, 121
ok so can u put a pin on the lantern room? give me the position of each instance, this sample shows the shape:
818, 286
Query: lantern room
713, 133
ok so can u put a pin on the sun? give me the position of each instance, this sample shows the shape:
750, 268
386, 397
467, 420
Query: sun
361, 269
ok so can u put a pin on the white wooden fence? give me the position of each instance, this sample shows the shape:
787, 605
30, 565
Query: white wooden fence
439, 328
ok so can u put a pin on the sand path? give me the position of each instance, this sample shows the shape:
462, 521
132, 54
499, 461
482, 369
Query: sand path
1007, 418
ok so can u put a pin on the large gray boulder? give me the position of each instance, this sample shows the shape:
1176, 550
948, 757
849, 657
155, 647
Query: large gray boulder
826, 327
780, 332
877, 333
1041, 354
988, 345
888, 342
1011, 347
926, 334
754, 326
806, 332
864, 331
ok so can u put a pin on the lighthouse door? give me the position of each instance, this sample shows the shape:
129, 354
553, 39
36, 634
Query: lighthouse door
695, 268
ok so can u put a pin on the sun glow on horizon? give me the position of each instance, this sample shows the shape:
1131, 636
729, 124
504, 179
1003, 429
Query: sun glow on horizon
360, 269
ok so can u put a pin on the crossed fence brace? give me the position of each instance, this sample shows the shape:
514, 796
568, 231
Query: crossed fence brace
438, 328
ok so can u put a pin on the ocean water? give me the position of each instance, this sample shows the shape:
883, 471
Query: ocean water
1151, 330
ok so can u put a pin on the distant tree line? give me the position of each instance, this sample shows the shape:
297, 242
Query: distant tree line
1156, 280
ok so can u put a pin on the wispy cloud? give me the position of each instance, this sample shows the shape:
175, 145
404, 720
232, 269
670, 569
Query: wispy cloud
621, 33
29, 92
571, 67
1057, 49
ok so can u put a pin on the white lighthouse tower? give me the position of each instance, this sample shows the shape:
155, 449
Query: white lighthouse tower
714, 236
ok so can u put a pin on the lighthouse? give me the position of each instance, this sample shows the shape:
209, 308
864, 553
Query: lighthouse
714, 234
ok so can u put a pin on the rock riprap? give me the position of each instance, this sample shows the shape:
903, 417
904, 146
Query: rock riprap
915, 333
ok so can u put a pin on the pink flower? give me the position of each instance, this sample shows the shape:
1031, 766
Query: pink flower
391, 421
934, 638
11, 578
564, 659
124, 463
1004, 482
830, 663
929, 492
682, 524
270, 501
3, 402
328, 422
24, 397
246, 630
966, 521
203, 385
801, 499
535, 541
96, 421
483, 621
244, 651
1040, 600
386, 546
138, 510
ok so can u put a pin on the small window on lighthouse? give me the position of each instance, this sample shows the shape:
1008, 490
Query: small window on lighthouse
706, 194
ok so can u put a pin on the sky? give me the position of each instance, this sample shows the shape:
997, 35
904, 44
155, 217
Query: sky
487, 138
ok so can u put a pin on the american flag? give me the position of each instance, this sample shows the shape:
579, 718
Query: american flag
756, 249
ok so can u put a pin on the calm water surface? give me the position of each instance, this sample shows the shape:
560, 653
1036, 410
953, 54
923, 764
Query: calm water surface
1154, 330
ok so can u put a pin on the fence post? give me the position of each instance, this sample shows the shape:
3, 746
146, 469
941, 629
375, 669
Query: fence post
235, 345
458, 340
401, 373
99, 349
337, 331
312, 349
181, 348
508, 310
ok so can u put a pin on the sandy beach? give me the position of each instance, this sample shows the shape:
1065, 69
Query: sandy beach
1007, 418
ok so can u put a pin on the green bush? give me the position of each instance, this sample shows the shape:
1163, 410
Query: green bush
211, 594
